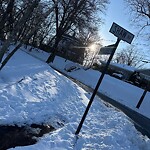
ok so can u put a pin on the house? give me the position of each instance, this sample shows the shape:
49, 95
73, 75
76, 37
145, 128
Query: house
141, 80
144, 73
71, 48
115, 68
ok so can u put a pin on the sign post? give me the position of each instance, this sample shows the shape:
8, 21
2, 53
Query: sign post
99, 81
97, 86
141, 99
143, 95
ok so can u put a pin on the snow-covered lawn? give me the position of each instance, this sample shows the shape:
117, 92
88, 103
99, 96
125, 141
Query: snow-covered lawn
44, 95
118, 90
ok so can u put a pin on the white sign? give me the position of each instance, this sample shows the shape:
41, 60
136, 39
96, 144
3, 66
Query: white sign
107, 50
121, 33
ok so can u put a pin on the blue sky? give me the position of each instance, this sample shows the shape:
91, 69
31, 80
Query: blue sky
118, 12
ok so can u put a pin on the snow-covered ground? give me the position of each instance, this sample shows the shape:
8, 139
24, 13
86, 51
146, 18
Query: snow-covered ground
32, 92
118, 90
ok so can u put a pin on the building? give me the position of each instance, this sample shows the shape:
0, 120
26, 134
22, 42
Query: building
115, 68
125, 73
71, 48
145, 73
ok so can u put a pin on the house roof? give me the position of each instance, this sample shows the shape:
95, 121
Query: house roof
144, 71
121, 66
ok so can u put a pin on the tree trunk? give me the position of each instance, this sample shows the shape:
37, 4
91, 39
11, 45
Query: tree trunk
9, 56
16, 28
52, 56
54, 50
8, 12
4, 48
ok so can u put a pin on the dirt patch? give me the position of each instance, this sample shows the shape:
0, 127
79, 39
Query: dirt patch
12, 136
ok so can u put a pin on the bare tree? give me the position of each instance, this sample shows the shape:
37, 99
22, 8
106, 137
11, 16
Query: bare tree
72, 14
40, 16
36, 21
28, 35
140, 13
130, 56
6, 16
12, 35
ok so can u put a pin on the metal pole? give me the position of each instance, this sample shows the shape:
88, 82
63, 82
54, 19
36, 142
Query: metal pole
143, 95
97, 86
141, 99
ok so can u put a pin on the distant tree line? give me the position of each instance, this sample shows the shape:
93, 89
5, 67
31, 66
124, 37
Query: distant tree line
40, 22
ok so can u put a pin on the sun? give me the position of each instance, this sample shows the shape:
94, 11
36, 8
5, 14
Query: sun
92, 47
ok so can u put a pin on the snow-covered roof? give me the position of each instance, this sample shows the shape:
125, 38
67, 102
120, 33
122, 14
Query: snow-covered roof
122, 66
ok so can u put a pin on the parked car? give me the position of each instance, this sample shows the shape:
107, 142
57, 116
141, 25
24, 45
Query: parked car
71, 67
117, 75
138, 80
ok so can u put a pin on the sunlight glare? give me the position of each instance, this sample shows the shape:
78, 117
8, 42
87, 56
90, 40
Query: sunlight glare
92, 47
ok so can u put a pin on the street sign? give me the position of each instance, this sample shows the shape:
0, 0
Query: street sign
107, 50
121, 33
